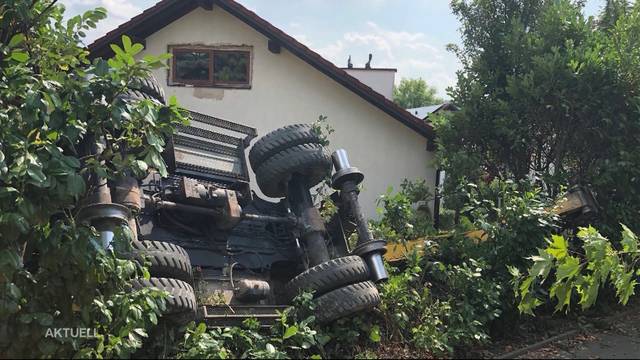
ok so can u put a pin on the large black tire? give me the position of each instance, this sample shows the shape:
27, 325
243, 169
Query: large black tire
328, 276
181, 300
310, 160
146, 88
346, 301
167, 260
282, 139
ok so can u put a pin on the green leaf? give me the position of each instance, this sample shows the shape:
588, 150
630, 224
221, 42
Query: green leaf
136, 48
154, 159
541, 264
101, 67
629, 240
16, 40
526, 286
562, 291
141, 332
20, 56
118, 51
71, 161
75, 184
557, 247
37, 175
625, 285
588, 291
291, 331
126, 42
514, 271
374, 334
568, 269
154, 140
141, 166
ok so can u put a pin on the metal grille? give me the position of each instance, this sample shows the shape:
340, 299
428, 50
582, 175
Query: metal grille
224, 124
211, 148
210, 135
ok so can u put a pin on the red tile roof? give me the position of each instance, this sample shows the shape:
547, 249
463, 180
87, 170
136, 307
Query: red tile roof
167, 11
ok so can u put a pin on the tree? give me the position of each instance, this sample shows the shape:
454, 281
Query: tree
54, 271
413, 93
529, 104
612, 11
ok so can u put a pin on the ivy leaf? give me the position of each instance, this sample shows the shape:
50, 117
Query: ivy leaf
557, 247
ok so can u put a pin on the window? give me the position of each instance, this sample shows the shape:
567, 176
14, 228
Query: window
201, 66
192, 67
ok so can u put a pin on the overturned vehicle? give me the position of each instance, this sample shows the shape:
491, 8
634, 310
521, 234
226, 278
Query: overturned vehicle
223, 253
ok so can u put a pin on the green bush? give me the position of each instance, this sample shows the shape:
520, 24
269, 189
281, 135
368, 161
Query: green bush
292, 336
439, 307
516, 218
404, 215
527, 101
54, 271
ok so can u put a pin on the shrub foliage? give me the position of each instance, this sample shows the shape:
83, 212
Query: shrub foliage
54, 102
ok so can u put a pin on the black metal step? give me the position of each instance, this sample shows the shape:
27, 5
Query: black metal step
233, 315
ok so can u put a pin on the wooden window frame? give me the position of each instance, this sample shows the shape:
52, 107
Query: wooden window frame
211, 82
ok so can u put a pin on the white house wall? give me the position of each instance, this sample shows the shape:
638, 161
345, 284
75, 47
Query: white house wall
286, 90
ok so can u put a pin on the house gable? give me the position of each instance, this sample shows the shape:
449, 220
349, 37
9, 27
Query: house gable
168, 11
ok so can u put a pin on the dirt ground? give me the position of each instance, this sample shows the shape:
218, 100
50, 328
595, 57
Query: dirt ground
616, 339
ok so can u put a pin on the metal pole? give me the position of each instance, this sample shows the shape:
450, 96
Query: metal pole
346, 179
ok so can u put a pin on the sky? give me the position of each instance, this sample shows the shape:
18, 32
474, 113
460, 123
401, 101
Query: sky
409, 35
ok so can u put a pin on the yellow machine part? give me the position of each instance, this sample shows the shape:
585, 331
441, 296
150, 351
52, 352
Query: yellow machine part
398, 251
